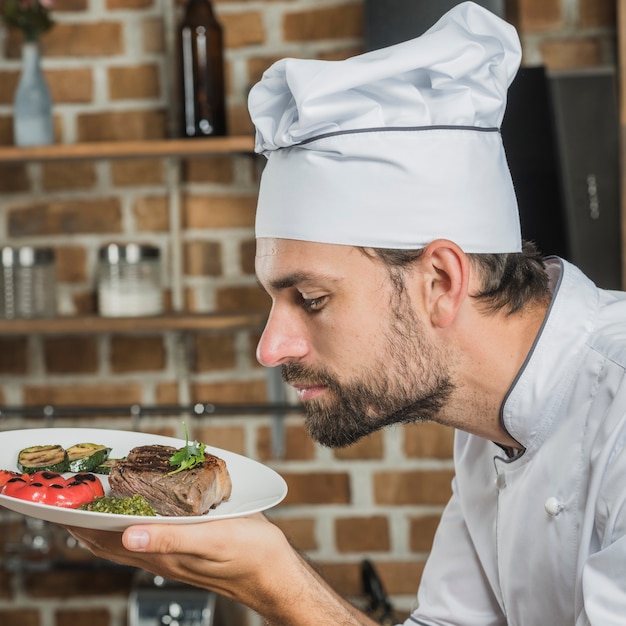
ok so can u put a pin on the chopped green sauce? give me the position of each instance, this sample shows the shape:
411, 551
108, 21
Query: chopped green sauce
135, 505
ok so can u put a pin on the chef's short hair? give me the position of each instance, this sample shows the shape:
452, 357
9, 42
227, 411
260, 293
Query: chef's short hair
508, 281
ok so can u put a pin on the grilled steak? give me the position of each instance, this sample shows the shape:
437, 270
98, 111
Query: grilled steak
189, 492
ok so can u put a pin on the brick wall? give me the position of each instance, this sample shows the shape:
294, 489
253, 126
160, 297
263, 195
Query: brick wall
109, 72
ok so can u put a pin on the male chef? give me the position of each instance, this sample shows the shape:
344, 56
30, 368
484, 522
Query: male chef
389, 241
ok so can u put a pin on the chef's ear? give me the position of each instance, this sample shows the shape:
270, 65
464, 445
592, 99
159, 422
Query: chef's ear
446, 270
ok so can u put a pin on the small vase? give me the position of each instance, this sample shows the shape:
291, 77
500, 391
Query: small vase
32, 113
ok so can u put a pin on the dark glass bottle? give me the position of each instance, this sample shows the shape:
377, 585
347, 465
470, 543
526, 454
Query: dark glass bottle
201, 72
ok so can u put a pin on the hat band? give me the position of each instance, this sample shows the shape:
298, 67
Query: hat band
387, 129
393, 188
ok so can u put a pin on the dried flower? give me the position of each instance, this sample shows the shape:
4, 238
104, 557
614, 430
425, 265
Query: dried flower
32, 17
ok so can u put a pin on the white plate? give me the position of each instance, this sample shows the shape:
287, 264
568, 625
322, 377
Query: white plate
256, 487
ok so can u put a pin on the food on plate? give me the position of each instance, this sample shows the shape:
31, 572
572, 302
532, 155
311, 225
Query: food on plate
133, 505
6, 475
147, 470
51, 458
52, 488
86, 457
81, 457
105, 467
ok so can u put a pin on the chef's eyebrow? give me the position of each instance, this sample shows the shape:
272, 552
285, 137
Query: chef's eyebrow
297, 278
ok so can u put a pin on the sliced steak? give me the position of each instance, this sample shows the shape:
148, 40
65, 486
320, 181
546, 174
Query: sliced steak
146, 471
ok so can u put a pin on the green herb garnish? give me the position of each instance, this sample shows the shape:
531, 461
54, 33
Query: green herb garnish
189, 456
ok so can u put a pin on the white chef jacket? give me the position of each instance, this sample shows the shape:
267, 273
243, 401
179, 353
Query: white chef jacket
540, 539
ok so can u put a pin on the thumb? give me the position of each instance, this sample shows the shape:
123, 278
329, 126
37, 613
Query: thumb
203, 539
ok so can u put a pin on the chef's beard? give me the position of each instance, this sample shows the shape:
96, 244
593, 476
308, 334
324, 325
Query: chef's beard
410, 382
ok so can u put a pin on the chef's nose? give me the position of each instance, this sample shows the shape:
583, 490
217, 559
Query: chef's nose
283, 340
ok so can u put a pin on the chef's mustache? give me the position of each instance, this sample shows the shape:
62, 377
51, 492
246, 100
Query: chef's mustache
296, 373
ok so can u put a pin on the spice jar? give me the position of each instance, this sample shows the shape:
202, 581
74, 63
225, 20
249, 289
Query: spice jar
129, 280
28, 282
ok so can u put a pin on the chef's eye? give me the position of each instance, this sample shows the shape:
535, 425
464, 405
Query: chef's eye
313, 304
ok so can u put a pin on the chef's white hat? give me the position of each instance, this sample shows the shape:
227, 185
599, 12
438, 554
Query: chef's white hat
395, 147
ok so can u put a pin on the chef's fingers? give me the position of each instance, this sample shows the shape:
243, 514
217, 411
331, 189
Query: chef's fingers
216, 539
97, 540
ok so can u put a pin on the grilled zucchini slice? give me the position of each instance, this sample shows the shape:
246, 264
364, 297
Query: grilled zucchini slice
85, 457
43, 458
105, 467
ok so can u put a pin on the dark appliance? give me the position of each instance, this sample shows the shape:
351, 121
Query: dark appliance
155, 601
388, 22
561, 135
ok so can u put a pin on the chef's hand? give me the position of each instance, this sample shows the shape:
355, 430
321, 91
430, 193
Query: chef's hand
247, 559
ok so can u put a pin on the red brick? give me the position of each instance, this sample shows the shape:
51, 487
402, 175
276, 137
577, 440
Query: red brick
67, 217
90, 39
82, 395
13, 178
5, 592
298, 445
67, 176
152, 214
23, 617
231, 438
129, 172
299, 531
93, 617
597, 13
416, 487
203, 258
219, 211
122, 125
242, 299
71, 355
242, 29
214, 352
115, 5
167, 393
134, 82
137, 354
422, 531
345, 578
428, 441
239, 122
70, 86
230, 392
539, 15
13, 356
8, 85
247, 251
210, 169
317, 488
6, 130
70, 6
362, 534
371, 447
152, 35
327, 23
79, 583
561, 54
400, 577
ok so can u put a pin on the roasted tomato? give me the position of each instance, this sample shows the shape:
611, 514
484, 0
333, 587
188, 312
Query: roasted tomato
6, 475
23, 489
47, 478
93, 481
51, 488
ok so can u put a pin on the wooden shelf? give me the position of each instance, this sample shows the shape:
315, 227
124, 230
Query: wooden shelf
129, 149
76, 325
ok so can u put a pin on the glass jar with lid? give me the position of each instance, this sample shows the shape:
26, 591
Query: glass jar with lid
27, 282
129, 280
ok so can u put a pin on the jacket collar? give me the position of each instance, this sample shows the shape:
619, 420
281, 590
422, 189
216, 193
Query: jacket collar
545, 378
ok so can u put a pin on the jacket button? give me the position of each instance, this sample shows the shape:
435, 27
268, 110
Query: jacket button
501, 481
553, 506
